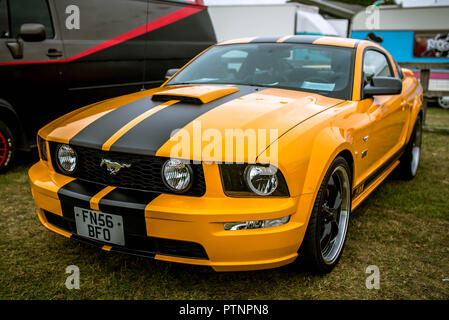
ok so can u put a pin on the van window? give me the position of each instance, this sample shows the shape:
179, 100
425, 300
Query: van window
376, 64
30, 11
4, 23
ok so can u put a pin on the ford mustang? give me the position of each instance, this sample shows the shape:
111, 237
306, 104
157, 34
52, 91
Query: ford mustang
253, 154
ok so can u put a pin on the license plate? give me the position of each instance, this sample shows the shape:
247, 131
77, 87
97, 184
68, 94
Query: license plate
100, 226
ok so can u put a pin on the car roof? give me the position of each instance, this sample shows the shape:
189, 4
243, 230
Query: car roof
309, 39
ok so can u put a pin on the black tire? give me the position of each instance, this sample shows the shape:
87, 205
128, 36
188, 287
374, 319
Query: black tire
443, 102
311, 250
7, 147
409, 161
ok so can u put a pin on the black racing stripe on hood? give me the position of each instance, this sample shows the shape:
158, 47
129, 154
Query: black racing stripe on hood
99, 131
152, 133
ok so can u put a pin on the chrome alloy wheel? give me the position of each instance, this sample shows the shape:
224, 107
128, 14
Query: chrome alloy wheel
335, 215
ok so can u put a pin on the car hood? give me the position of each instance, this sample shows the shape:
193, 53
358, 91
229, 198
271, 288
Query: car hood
160, 121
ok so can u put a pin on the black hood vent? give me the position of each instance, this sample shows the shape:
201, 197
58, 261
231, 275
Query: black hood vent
168, 97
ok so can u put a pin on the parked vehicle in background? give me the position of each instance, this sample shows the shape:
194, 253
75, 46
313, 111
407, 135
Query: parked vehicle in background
51, 64
415, 34
250, 20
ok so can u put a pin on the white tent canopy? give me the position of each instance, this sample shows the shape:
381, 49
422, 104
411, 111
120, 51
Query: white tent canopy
234, 2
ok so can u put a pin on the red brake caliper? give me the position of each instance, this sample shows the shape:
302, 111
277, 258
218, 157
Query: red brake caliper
3, 148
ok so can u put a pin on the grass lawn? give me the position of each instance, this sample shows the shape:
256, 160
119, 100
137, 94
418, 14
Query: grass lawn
437, 117
402, 228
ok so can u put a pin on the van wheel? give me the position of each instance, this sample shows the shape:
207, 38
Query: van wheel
328, 225
443, 102
7, 147
409, 161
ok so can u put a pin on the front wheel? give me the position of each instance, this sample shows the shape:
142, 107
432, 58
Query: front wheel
328, 225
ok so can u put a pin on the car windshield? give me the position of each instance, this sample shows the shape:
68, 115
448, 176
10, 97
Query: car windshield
321, 69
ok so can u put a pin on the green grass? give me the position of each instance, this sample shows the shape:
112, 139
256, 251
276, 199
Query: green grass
402, 228
437, 117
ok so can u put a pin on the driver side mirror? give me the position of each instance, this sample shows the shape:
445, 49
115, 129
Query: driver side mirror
32, 32
170, 73
378, 86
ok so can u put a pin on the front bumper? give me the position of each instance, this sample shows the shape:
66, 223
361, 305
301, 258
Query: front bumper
178, 228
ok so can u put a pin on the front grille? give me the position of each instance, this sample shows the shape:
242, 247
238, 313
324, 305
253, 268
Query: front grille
144, 173
136, 244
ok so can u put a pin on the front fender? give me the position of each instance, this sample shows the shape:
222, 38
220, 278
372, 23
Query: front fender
416, 108
328, 144
306, 152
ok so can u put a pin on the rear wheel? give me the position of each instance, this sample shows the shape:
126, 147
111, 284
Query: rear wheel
409, 161
7, 147
328, 225
443, 102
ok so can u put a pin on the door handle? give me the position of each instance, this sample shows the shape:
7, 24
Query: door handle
54, 53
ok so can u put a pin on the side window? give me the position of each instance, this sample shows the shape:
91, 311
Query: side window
4, 22
30, 11
376, 64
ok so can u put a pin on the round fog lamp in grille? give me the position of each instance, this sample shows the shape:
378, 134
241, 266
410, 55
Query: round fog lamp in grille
66, 158
261, 180
177, 175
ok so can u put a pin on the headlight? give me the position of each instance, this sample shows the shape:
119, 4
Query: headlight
261, 180
66, 158
256, 224
177, 176
251, 180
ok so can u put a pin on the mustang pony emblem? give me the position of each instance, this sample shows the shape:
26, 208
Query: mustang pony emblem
113, 166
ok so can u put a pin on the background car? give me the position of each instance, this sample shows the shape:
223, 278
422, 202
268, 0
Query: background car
52, 63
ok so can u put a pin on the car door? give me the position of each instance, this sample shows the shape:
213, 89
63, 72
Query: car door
31, 77
179, 40
105, 49
123, 46
387, 112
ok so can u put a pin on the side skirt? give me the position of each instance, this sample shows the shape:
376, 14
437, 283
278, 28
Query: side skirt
363, 190
374, 184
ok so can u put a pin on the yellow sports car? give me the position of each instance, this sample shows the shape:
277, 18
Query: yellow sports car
254, 153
